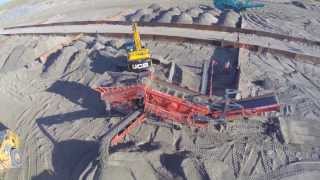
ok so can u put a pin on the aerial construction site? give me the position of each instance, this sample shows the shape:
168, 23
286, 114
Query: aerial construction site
160, 90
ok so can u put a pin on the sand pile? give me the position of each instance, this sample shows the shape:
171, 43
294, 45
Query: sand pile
184, 18
229, 18
201, 15
207, 19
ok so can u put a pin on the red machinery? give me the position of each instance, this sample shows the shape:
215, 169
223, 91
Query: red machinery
178, 110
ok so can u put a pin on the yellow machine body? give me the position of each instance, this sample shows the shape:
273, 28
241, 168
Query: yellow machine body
139, 58
9, 150
137, 55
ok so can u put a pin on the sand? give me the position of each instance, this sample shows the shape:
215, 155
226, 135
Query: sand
66, 131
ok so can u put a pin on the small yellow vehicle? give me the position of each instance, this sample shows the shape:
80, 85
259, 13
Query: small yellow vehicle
139, 58
9, 149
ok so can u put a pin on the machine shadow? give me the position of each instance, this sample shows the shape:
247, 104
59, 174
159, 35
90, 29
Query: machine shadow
101, 63
50, 60
44, 175
79, 94
225, 71
69, 159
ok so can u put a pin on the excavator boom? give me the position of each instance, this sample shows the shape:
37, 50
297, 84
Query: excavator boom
136, 37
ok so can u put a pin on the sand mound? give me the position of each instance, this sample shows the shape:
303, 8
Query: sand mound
155, 7
147, 17
144, 11
207, 19
230, 18
165, 18
184, 18
174, 11
194, 12
139, 13
214, 12
156, 13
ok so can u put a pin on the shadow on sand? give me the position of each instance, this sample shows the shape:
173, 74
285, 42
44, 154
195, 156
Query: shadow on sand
101, 63
78, 94
225, 78
70, 157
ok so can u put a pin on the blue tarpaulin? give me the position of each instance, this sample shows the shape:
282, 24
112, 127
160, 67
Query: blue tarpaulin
237, 5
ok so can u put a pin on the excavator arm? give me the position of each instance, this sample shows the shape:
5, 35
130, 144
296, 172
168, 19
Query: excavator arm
136, 37
139, 58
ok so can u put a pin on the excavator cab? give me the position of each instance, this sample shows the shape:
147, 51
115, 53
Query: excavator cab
9, 149
139, 57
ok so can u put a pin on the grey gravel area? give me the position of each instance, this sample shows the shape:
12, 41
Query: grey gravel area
62, 121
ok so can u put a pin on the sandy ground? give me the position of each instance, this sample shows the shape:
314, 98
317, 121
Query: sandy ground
286, 18
35, 11
54, 109
61, 119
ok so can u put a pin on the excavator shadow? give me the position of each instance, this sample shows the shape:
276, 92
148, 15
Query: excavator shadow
78, 94
101, 63
118, 78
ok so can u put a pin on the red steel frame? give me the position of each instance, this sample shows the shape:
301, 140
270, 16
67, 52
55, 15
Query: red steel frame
168, 107
121, 135
121, 95
171, 108
234, 114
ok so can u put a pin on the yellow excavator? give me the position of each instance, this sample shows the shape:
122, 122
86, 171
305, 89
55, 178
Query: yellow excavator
9, 149
139, 57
